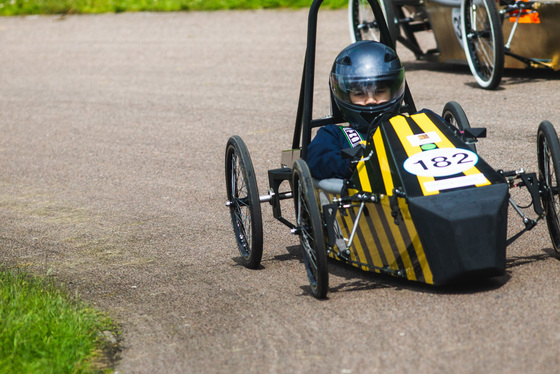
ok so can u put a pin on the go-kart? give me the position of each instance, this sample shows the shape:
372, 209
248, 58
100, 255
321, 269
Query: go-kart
421, 203
471, 31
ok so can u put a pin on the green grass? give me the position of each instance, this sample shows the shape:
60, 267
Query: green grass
25, 7
43, 330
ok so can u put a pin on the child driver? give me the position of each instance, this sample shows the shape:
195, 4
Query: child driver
366, 80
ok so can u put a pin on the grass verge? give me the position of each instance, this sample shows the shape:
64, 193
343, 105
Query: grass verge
43, 330
26, 7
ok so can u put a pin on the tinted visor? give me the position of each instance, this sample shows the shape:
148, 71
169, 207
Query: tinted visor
368, 91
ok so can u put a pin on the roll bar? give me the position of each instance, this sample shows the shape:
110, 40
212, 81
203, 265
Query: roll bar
304, 122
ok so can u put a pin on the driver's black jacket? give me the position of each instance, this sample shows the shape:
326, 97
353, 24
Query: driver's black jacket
324, 152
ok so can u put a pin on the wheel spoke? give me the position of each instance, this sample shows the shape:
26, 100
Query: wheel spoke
243, 219
486, 56
367, 26
480, 36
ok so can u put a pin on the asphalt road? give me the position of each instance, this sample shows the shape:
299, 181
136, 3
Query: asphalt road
112, 134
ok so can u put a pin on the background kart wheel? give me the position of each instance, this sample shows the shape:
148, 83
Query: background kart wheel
548, 154
363, 25
454, 115
483, 41
309, 222
243, 202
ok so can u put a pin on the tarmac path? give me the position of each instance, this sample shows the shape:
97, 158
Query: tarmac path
112, 138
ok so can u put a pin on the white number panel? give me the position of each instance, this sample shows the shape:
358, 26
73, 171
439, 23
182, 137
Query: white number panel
440, 162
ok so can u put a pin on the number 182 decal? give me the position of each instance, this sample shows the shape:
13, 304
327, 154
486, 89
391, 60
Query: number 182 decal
441, 162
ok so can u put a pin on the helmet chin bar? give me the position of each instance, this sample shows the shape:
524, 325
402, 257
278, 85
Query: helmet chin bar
370, 117
360, 118
363, 121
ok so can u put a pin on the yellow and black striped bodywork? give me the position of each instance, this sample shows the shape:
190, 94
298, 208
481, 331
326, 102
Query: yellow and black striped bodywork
416, 230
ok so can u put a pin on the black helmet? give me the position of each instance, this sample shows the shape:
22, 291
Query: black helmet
360, 73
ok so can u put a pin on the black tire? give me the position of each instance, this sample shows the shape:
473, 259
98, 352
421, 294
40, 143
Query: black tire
243, 202
455, 116
362, 22
548, 154
310, 226
483, 41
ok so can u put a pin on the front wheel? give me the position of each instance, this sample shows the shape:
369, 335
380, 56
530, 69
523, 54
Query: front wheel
364, 26
455, 116
310, 227
548, 154
483, 41
243, 202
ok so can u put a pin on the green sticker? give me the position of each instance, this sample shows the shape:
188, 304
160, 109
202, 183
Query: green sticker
427, 147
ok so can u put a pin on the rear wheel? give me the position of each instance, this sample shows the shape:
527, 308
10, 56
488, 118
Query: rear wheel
455, 116
362, 22
548, 154
310, 226
483, 41
243, 202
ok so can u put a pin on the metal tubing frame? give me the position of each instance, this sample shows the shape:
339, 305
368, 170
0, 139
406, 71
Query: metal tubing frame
303, 125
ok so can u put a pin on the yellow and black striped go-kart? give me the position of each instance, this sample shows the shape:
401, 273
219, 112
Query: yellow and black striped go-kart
421, 204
